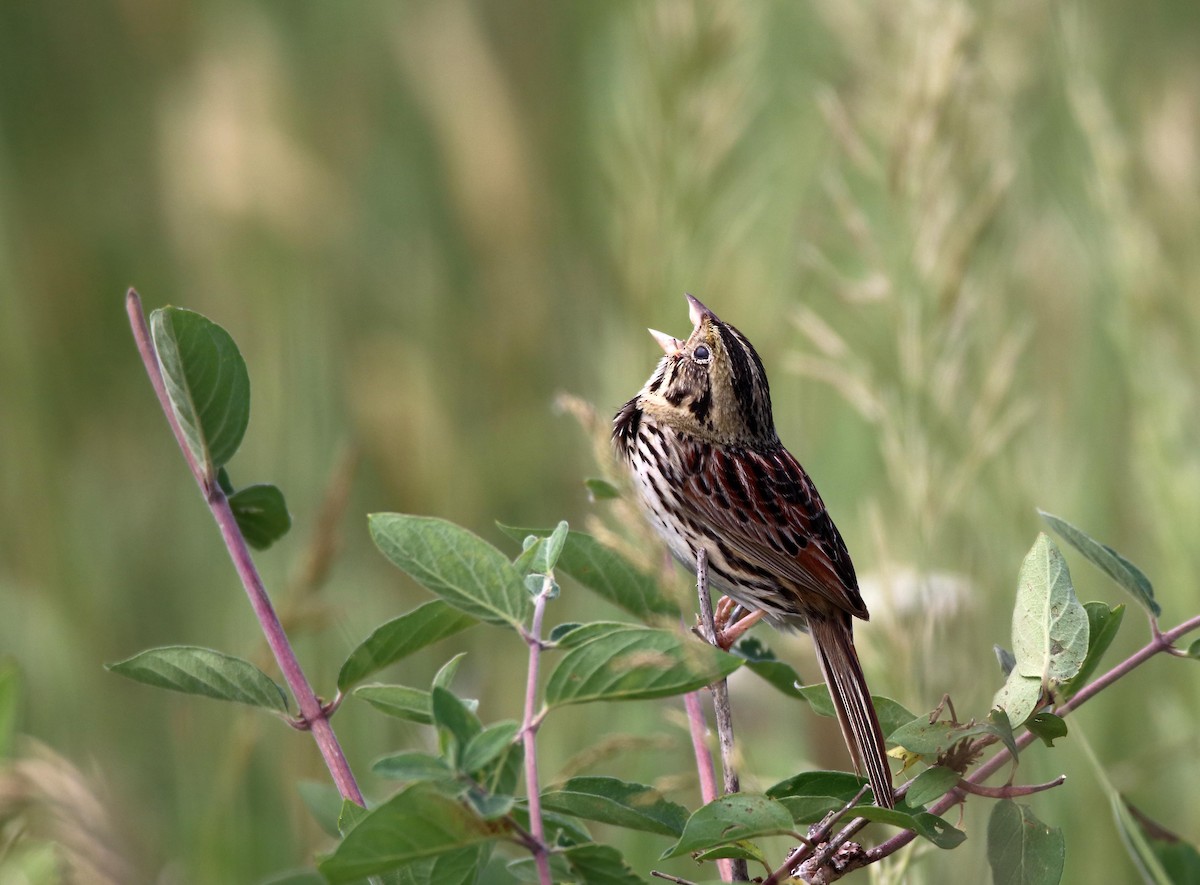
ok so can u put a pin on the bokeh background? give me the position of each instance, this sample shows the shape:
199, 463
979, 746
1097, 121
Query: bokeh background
963, 237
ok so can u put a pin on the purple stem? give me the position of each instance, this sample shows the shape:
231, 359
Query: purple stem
315, 718
528, 734
1161, 642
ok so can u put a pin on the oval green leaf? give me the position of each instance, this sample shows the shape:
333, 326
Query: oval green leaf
400, 701
203, 671
612, 801
463, 569
206, 382
1050, 631
261, 514
631, 662
417, 823
1021, 849
486, 746
731, 819
1109, 561
1103, 624
400, 637
413, 766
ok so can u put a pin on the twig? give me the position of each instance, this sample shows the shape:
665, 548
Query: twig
816, 835
657, 875
735, 868
311, 710
1160, 643
1009, 791
529, 729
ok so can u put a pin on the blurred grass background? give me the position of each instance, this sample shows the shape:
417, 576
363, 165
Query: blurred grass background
962, 236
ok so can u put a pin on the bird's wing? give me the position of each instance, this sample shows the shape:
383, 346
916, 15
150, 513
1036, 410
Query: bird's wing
767, 511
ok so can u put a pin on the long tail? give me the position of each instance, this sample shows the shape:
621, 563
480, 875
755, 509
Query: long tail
834, 640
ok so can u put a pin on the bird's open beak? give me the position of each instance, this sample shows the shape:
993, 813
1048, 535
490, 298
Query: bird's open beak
697, 311
670, 346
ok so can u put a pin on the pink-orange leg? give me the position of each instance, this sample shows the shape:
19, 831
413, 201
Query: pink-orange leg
727, 633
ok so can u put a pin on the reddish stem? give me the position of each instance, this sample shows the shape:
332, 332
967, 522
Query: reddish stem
311, 710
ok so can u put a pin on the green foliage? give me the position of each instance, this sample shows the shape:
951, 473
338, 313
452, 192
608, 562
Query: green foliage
457, 804
460, 567
1109, 561
1050, 631
1103, 624
401, 637
729, 820
207, 384
261, 514
205, 672
612, 661
1021, 849
607, 574
418, 823
608, 800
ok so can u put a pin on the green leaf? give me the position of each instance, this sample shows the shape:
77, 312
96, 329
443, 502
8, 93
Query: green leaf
1108, 561
601, 490
839, 784
607, 574
489, 806
1193, 650
892, 714
418, 822
352, 814
261, 514
452, 717
203, 671
933, 739
206, 382
1047, 726
413, 766
931, 784
611, 801
459, 867
1050, 631
400, 701
561, 831
926, 825
1103, 624
324, 803
485, 747
729, 819
501, 776
1021, 849
400, 637
1161, 856
542, 555
524, 869
460, 567
445, 674
762, 662
614, 661
600, 865
1019, 696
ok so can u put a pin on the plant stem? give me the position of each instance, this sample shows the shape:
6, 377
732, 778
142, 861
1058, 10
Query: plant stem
529, 729
313, 715
734, 868
704, 762
1160, 643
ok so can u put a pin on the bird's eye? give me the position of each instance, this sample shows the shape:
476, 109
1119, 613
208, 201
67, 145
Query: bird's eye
701, 354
